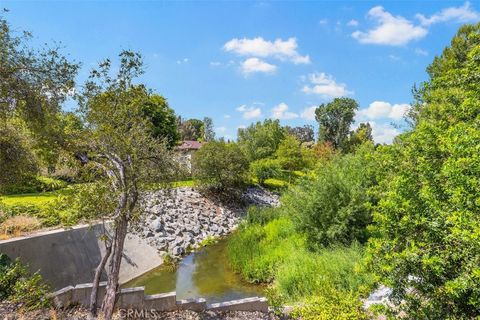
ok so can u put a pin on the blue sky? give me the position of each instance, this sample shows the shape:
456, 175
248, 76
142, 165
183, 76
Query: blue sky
239, 62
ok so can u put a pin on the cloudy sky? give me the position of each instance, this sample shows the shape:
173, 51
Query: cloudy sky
239, 62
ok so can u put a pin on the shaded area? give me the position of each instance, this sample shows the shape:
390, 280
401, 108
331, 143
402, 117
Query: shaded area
204, 273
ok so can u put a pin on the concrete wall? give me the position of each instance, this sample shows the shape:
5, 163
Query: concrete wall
68, 256
135, 298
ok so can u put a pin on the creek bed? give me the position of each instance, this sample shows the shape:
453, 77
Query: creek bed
204, 274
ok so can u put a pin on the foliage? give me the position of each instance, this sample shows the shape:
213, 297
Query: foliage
208, 130
220, 166
427, 226
18, 224
332, 305
191, 129
260, 140
163, 119
291, 155
17, 162
19, 286
271, 250
303, 134
260, 215
35, 184
264, 169
334, 206
335, 119
361, 135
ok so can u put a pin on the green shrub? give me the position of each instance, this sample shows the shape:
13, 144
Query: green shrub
334, 206
19, 286
425, 242
332, 305
261, 215
36, 184
221, 166
264, 169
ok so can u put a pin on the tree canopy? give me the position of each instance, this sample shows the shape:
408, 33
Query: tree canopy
335, 119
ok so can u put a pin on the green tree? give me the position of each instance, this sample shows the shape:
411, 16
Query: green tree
220, 166
303, 134
33, 85
335, 119
290, 154
208, 130
261, 140
427, 224
192, 129
163, 119
358, 137
266, 168
335, 206
120, 145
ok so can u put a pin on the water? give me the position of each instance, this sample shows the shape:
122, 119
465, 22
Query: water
204, 274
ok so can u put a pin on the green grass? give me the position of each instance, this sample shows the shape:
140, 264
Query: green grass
277, 253
35, 199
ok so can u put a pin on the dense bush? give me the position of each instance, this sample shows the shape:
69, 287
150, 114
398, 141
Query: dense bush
264, 169
261, 139
19, 286
335, 206
35, 184
221, 166
427, 225
276, 253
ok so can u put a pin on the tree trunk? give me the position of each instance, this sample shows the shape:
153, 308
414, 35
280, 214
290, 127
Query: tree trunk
96, 279
114, 266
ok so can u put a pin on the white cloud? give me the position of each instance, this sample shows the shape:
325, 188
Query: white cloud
258, 47
280, 111
421, 52
220, 130
184, 60
383, 110
391, 30
324, 85
308, 113
215, 64
252, 65
352, 23
461, 14
227, 116
323, 21
250, 112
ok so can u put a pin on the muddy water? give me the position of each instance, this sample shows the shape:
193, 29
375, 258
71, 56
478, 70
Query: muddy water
204, 273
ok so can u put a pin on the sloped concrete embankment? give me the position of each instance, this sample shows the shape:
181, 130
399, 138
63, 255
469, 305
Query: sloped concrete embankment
67, 257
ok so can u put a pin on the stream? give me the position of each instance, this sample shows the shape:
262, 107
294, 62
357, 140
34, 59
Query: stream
203, 274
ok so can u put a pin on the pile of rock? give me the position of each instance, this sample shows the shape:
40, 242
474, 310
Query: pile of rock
175, 220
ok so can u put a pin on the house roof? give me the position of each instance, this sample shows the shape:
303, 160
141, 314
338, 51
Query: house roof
190, 145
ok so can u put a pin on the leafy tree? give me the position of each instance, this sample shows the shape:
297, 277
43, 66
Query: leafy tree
335, 119
33, 85
427, 224
334, 206
358, 137
120, 145
264, 169
209, 133
17, 163
289, 154
220, 166
192, 129
163, 119
303, 134
261, 140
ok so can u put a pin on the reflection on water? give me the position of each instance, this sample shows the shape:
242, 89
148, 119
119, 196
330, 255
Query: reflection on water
205, 274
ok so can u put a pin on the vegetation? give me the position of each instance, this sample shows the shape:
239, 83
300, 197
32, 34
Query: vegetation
260, 140
19, 286
220, 166
426, 229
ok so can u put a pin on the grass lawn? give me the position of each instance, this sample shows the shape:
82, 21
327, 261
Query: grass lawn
36, 199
